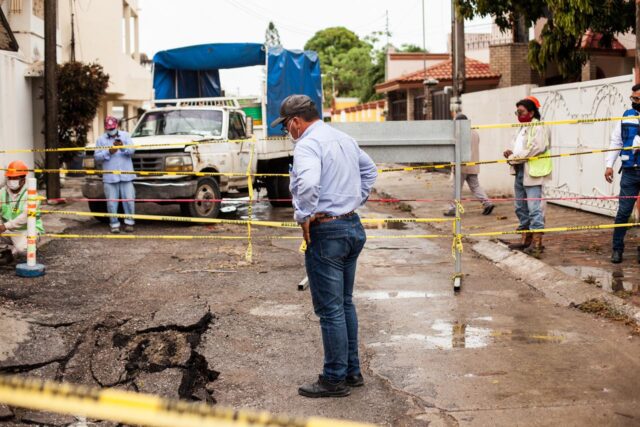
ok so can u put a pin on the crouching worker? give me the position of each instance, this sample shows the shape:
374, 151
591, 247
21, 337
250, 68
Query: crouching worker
13, 209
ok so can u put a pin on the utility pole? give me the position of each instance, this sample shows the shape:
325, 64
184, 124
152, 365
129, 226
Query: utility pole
425, 101
637, 73
52, 159
457, 58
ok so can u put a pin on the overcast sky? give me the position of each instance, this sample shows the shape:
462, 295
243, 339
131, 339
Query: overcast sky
166, 24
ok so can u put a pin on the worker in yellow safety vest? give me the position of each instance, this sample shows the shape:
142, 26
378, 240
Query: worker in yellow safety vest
13, 214
531, 174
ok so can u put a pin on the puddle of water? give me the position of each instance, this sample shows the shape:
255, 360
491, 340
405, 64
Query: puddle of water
609, 280
387, 295
385, 226
448, 335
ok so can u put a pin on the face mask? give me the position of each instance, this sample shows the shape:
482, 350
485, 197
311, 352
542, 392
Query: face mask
525, 119
290, 132
13, 184
112, 132
635, 106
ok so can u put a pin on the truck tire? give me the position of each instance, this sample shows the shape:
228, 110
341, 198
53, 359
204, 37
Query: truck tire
101, 207
207, 189
278, 188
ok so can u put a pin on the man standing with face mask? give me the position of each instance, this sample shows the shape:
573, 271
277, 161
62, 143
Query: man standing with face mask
331, 177
13, 209
623, 136
117, 186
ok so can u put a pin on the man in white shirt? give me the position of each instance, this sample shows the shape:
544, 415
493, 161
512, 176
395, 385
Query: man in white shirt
625, 137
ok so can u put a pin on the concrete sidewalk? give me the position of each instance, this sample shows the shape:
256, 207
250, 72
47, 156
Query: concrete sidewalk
574, 268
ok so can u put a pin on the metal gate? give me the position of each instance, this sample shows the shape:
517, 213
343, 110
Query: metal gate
441, 105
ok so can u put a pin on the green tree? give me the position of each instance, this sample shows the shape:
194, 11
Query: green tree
81, 88
566, 23
408, 47
272, 36
344, 59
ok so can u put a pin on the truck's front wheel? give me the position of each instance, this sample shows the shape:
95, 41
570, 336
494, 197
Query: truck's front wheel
206, 190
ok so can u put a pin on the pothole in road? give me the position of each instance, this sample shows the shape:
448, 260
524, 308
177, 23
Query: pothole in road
151, 355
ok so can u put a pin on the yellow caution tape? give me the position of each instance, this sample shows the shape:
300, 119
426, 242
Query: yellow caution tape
505, 161
140, 409
552, 123
177, 219
555, 229
139, 146
139, 173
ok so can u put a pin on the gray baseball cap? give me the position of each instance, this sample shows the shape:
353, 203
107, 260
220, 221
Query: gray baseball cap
293, 105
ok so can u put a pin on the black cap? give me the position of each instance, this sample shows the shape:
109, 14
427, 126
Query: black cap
293, 105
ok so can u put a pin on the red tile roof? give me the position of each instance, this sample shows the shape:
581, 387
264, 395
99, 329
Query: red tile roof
474, 70
591, 40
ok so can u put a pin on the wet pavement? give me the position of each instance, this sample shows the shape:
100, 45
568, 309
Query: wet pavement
193, 319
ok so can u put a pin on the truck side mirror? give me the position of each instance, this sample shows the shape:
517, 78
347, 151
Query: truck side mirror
249, 127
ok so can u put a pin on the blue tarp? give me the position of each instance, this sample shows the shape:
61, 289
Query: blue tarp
291, 72
193, 72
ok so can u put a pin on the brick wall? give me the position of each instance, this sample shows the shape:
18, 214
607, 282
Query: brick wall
589, 71
511, 61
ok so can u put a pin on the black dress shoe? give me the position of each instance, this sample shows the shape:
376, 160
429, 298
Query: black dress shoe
355, 380
324, 388
616, 257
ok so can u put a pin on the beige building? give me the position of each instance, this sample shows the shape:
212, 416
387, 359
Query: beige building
107, 32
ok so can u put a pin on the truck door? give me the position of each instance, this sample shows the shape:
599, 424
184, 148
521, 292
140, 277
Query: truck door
242, 151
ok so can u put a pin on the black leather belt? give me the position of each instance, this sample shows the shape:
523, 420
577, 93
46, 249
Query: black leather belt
322, 218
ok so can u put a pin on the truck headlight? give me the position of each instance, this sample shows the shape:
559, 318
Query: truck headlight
89, 163
178, 164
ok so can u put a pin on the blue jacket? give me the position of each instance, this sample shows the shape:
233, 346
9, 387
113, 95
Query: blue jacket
628, 132
120, 161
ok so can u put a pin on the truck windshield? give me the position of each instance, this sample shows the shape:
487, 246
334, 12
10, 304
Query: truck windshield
180, 122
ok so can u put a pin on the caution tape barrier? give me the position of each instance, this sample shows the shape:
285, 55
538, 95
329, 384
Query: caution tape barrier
266, 175
555, 229
553, 123
140, 409
253, 140
140, 146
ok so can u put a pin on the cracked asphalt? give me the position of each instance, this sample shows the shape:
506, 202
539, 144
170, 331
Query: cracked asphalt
193, 320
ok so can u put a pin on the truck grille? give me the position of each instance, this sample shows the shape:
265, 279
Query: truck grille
147, 163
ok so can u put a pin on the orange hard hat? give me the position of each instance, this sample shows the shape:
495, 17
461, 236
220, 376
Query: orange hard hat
534, 100
16, 169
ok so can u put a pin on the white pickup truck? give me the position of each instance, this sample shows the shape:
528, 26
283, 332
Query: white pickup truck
204, 120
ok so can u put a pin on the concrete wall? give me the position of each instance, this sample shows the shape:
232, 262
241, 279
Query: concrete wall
572, 176
488, 107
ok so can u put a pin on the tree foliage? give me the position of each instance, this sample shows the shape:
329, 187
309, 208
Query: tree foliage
344, 59
566, 23
81, 88
272, 36
408, 47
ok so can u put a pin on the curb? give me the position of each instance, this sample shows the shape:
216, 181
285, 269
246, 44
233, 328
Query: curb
557, 286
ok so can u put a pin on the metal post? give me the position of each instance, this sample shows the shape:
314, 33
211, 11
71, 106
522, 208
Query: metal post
31, 268
52, 159
457, 280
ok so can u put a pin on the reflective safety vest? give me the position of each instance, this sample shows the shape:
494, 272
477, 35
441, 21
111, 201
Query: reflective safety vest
629, 132
11, 210
540, 167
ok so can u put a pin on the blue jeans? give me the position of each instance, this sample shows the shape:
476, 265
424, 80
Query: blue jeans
529, 212
330, 261
120, 190
629, 188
